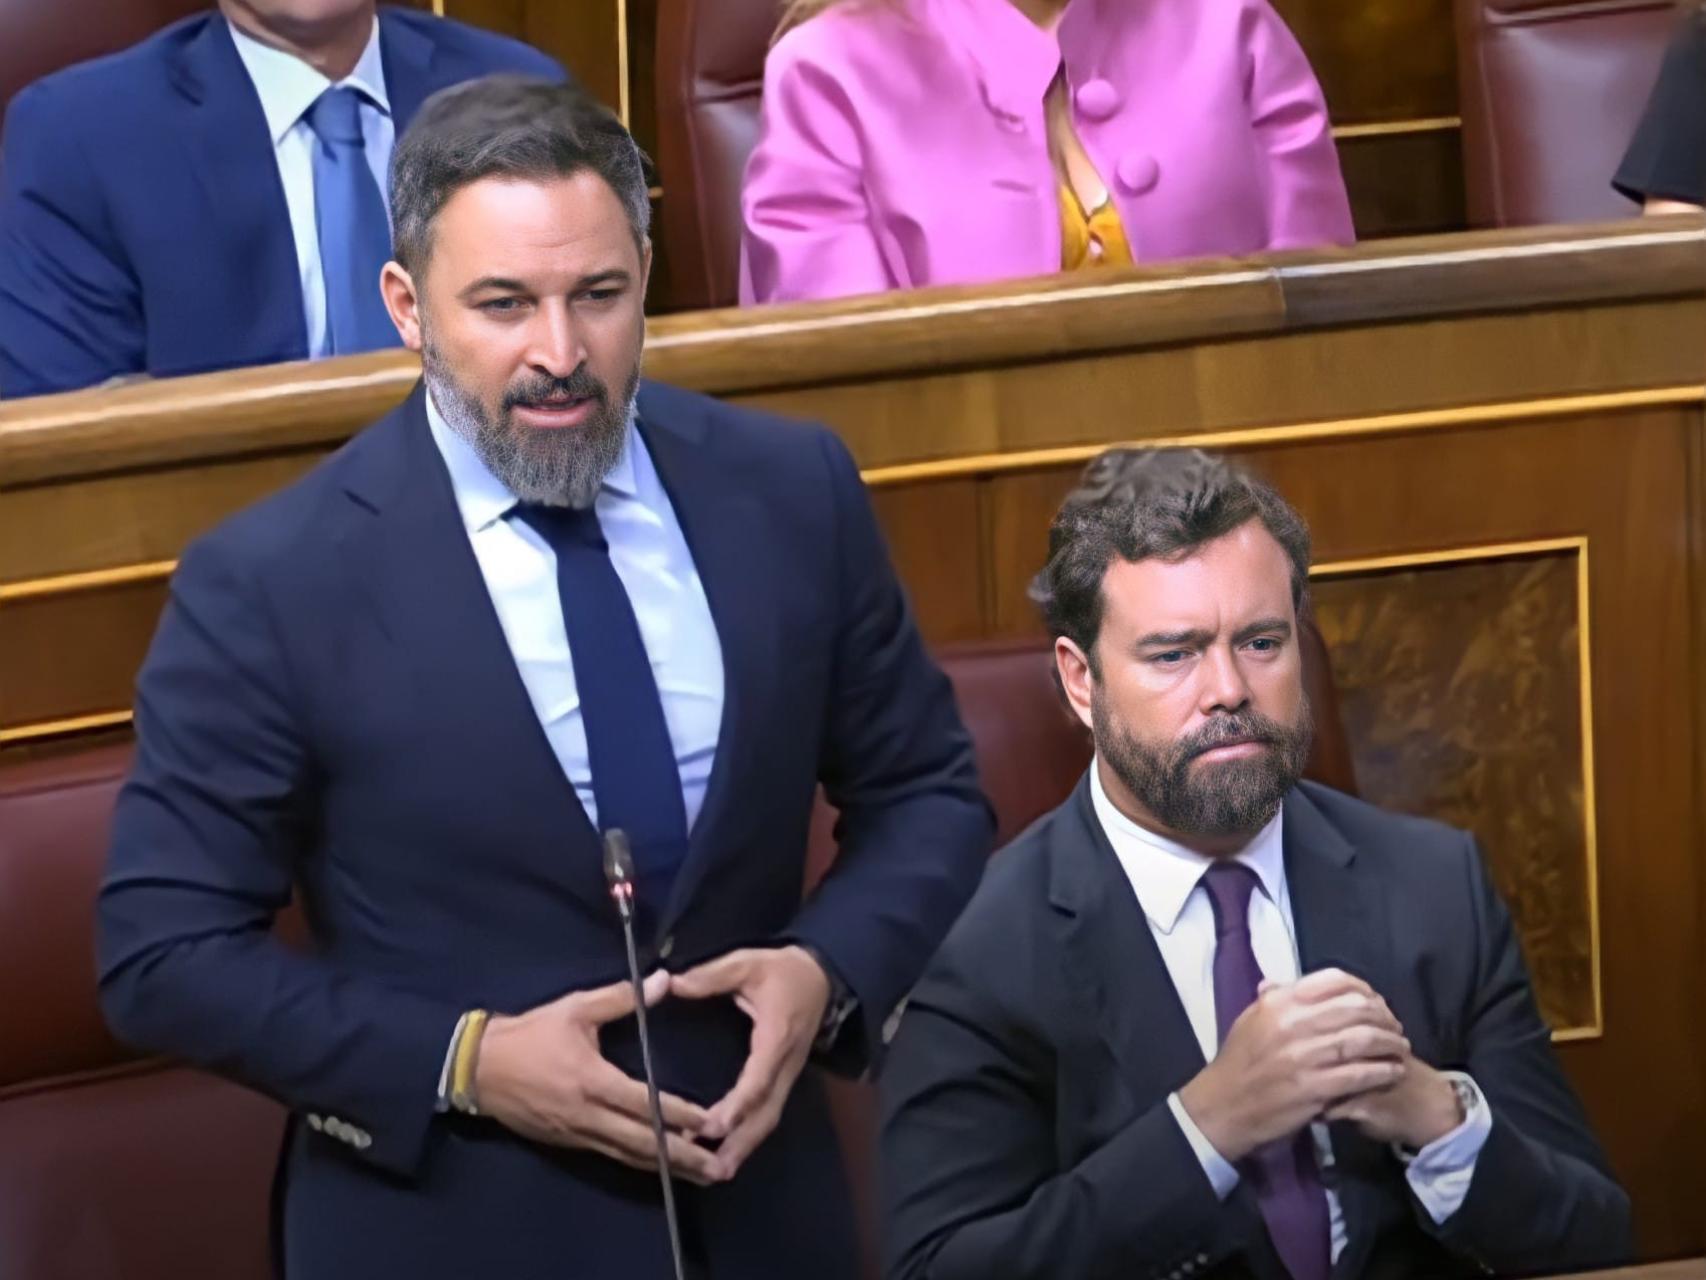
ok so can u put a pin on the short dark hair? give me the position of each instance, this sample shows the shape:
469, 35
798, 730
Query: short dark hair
509, 126
1143, 503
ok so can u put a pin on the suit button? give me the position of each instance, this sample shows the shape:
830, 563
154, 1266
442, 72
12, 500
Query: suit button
1202, 1259
317, 1124
362, 1139
666, 947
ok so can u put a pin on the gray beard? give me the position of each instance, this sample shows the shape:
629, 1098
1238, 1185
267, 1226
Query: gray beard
552, 468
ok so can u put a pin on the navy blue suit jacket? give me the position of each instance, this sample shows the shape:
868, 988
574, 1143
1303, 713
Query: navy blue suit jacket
1027, 1134
143, 227
330, 705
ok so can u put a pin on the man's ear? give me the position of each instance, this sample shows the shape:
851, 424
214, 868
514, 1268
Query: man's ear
397, 287
1077, 681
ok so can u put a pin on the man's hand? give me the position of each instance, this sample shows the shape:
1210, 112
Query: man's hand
1419, 1109
785, 992
540, 1074
1293, 1054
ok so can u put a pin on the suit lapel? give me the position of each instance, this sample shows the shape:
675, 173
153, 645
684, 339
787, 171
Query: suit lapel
727, 534
411, 76
232, 157
417, 568
1115, 963
1341, 923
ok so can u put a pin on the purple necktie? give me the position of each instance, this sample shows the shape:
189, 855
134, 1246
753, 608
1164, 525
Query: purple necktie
1283, 1173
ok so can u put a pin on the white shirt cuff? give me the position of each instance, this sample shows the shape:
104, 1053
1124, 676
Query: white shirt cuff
1440, 1173
1221, 1175
449, 1063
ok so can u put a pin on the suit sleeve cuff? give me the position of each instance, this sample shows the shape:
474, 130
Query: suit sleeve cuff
1221, 1175
449, 1062
1441, 1172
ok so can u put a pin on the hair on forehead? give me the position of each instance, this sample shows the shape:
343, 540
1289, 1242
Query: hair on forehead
1140, 504
514, 127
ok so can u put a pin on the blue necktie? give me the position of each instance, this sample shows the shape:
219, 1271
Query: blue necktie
354, 233
635, 778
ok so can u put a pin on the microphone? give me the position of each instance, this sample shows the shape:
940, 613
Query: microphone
619, 875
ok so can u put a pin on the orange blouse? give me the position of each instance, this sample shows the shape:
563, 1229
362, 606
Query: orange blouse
1091, 240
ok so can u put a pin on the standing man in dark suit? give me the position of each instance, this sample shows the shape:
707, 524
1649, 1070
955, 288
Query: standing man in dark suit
1205, 1019
215, 196
539, 600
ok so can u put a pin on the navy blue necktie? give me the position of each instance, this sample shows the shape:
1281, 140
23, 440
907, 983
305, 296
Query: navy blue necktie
635, 778
350, 220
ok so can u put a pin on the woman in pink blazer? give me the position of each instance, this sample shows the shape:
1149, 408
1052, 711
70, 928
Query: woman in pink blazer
921, 142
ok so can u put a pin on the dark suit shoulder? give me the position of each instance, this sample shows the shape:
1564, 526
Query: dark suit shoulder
486, 52
1004, 935
1403, 843
785, 458
735, 426
292, 528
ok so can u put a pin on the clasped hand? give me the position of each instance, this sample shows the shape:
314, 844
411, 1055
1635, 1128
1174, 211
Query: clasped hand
1323, 1048
541, 1074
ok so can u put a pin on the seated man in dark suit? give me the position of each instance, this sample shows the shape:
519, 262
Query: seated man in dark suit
539, 601
215, 196
1207, 1019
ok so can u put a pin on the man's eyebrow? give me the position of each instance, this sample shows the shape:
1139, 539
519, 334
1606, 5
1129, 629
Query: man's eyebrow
506, 284
1276, 626
500, 283
614, 275
1197, 637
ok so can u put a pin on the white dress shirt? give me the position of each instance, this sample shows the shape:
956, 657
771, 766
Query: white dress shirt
1166, 878
650, 555
287, 87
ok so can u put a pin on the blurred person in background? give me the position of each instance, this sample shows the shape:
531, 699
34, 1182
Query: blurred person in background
1664, 169
215, 196
921, 142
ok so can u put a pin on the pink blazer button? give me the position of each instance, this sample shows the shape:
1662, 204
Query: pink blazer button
1097, 99
1138, 172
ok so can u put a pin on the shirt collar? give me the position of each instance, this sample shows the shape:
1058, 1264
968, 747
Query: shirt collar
481, 497
1163, 872
288, 86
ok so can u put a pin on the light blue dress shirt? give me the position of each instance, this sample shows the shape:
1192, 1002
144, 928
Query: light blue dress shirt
287, 87
650, 555
1166, 878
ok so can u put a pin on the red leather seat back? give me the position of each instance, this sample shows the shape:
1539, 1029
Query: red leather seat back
710, 75
111, 1167
1551, 94
36, 38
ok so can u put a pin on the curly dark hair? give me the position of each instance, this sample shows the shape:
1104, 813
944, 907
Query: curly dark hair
1141, 503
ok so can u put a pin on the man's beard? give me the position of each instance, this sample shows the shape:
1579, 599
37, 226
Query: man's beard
1216, 799
555, 468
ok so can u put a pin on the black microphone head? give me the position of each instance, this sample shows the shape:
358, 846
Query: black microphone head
618, 859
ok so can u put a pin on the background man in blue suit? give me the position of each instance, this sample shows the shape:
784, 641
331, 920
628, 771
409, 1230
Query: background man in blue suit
538, 600
214, 196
